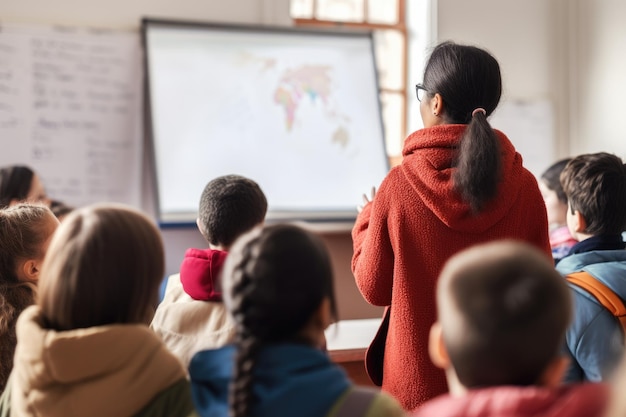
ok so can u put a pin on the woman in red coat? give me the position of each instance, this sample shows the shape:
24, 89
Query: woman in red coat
460, 183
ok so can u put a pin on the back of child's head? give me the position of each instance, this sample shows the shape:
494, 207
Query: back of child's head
104, 266
503, 310
595, 185
230, 206
15, 183
23, 231
551, 177
275, 279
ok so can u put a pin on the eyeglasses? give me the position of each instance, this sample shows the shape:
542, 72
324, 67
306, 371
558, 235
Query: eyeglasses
420, 91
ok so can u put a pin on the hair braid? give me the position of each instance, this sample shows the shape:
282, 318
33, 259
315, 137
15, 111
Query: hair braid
272, 298
247, 342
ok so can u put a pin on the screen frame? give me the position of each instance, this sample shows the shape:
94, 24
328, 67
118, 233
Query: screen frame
314, 216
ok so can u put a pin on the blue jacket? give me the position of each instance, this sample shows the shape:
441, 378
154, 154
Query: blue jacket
595, 337
290, 380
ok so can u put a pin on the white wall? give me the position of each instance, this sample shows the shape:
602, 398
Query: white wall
598, 86
524, 36
518, 33
126, 14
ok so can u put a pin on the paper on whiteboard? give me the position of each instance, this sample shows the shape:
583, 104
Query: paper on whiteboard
530, 127
70, 107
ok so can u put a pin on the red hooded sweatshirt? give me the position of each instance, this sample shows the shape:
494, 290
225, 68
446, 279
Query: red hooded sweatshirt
200, 273
414, 224
577, 400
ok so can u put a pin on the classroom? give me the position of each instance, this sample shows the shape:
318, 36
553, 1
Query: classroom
564, 54
561, 60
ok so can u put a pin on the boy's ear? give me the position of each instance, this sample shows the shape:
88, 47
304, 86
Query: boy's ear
580, 224
200, 228
552, 376
436, 347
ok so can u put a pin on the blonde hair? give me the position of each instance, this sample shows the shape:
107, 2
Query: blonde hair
104, 266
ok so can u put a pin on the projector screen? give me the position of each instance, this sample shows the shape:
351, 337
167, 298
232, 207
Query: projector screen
295, 110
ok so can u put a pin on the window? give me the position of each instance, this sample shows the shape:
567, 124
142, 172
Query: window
387, 18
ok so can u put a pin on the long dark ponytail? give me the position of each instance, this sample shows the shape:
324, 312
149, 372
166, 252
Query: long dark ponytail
469, 82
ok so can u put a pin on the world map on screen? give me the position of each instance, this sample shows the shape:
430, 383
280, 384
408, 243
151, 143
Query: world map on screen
296, 112
304, 82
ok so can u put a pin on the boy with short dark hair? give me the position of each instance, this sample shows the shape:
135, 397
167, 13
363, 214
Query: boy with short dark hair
192, 316
595, 185
502, 315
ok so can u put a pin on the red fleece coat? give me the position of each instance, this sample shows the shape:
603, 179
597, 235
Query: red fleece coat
414, 224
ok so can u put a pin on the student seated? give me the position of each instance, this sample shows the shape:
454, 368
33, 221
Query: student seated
278, 287
502, 315
595, 185
20, 184
85, 349
191, 316
561, 241
25, 233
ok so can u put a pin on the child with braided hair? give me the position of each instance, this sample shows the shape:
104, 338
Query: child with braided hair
278, 287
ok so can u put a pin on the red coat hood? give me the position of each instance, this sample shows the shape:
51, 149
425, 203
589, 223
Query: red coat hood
200, 272
430, 153
577, 400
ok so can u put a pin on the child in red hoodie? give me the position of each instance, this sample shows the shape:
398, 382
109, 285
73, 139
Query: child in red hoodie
191, 316
502, 315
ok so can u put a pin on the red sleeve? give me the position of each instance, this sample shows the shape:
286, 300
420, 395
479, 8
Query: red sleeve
373, 258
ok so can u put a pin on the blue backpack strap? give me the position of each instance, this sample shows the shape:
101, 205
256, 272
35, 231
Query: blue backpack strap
357, 402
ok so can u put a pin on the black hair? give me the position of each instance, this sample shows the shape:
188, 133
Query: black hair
468, 78
595, 185
552, 178
60, 209
15, 183
275, 279
230, 206
513, 307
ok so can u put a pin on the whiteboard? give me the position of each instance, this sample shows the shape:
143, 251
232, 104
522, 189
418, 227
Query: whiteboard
297, 111
70, 108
